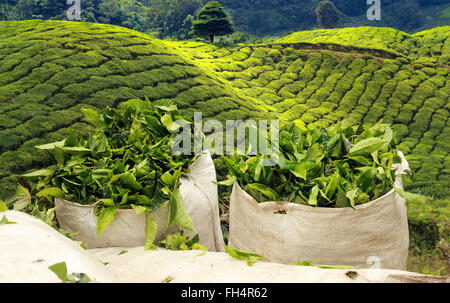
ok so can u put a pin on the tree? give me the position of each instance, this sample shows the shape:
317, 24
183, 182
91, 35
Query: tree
327, 14
168, 18
212, 21
185, 32
110, 12
353, 7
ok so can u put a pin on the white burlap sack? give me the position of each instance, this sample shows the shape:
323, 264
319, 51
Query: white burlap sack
138, 266
200, 200
30, 246
375, 234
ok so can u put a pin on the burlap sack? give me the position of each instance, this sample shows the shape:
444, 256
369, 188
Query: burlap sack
374, 234
30, 246
200, 200
138, 266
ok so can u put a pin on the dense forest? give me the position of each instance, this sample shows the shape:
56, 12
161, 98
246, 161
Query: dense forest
173, 18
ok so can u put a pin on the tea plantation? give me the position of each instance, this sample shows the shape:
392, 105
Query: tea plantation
49, 70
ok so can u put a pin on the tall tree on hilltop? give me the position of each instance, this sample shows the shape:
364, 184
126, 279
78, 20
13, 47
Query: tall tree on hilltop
327, 14
212, 21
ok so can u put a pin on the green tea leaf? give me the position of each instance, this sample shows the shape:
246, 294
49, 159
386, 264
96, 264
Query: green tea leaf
265, 190
51, 146
108, 202
130, 180
310, 263
38, 173
139, 209
154, 125
238, 254
3, 206
313, 196
60, 269
341, 199
106, 217
232, 167
51, 192
60, 156
228, 182
4, 220
332, 185
198, 246
167, 121
299, 171
91, 116
75, 149
411, 197
366, 147
168, 179
177, 212
351, 194
150, 232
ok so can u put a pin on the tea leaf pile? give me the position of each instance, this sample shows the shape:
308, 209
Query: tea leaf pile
334, 167
127, 163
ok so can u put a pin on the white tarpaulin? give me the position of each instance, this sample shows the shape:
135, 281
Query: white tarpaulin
29, 246
136, 265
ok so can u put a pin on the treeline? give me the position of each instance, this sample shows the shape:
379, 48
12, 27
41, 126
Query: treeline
164, 18
173, 18
127, 13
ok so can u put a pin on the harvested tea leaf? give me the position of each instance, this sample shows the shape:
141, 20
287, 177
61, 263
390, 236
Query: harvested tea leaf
179, 241
127, 162
150, 232
310, 263
3, 206
238, 254
106, 216
324, 167
4, 220
411, 197
60, 269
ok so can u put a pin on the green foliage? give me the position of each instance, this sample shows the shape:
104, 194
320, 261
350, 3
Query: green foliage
362, 38
5, 221
429, 229
311, 263
179, 241
249, 257
127, 163
172, 18
334, 167
212, 21
327, 14
60, 269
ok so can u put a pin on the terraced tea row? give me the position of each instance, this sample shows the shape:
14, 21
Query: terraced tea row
322, 87
49, 70
429, 47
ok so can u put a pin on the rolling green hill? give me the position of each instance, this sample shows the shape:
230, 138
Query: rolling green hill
49, 70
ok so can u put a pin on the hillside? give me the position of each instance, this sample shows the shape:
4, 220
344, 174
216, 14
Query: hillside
49, 70
432, 46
